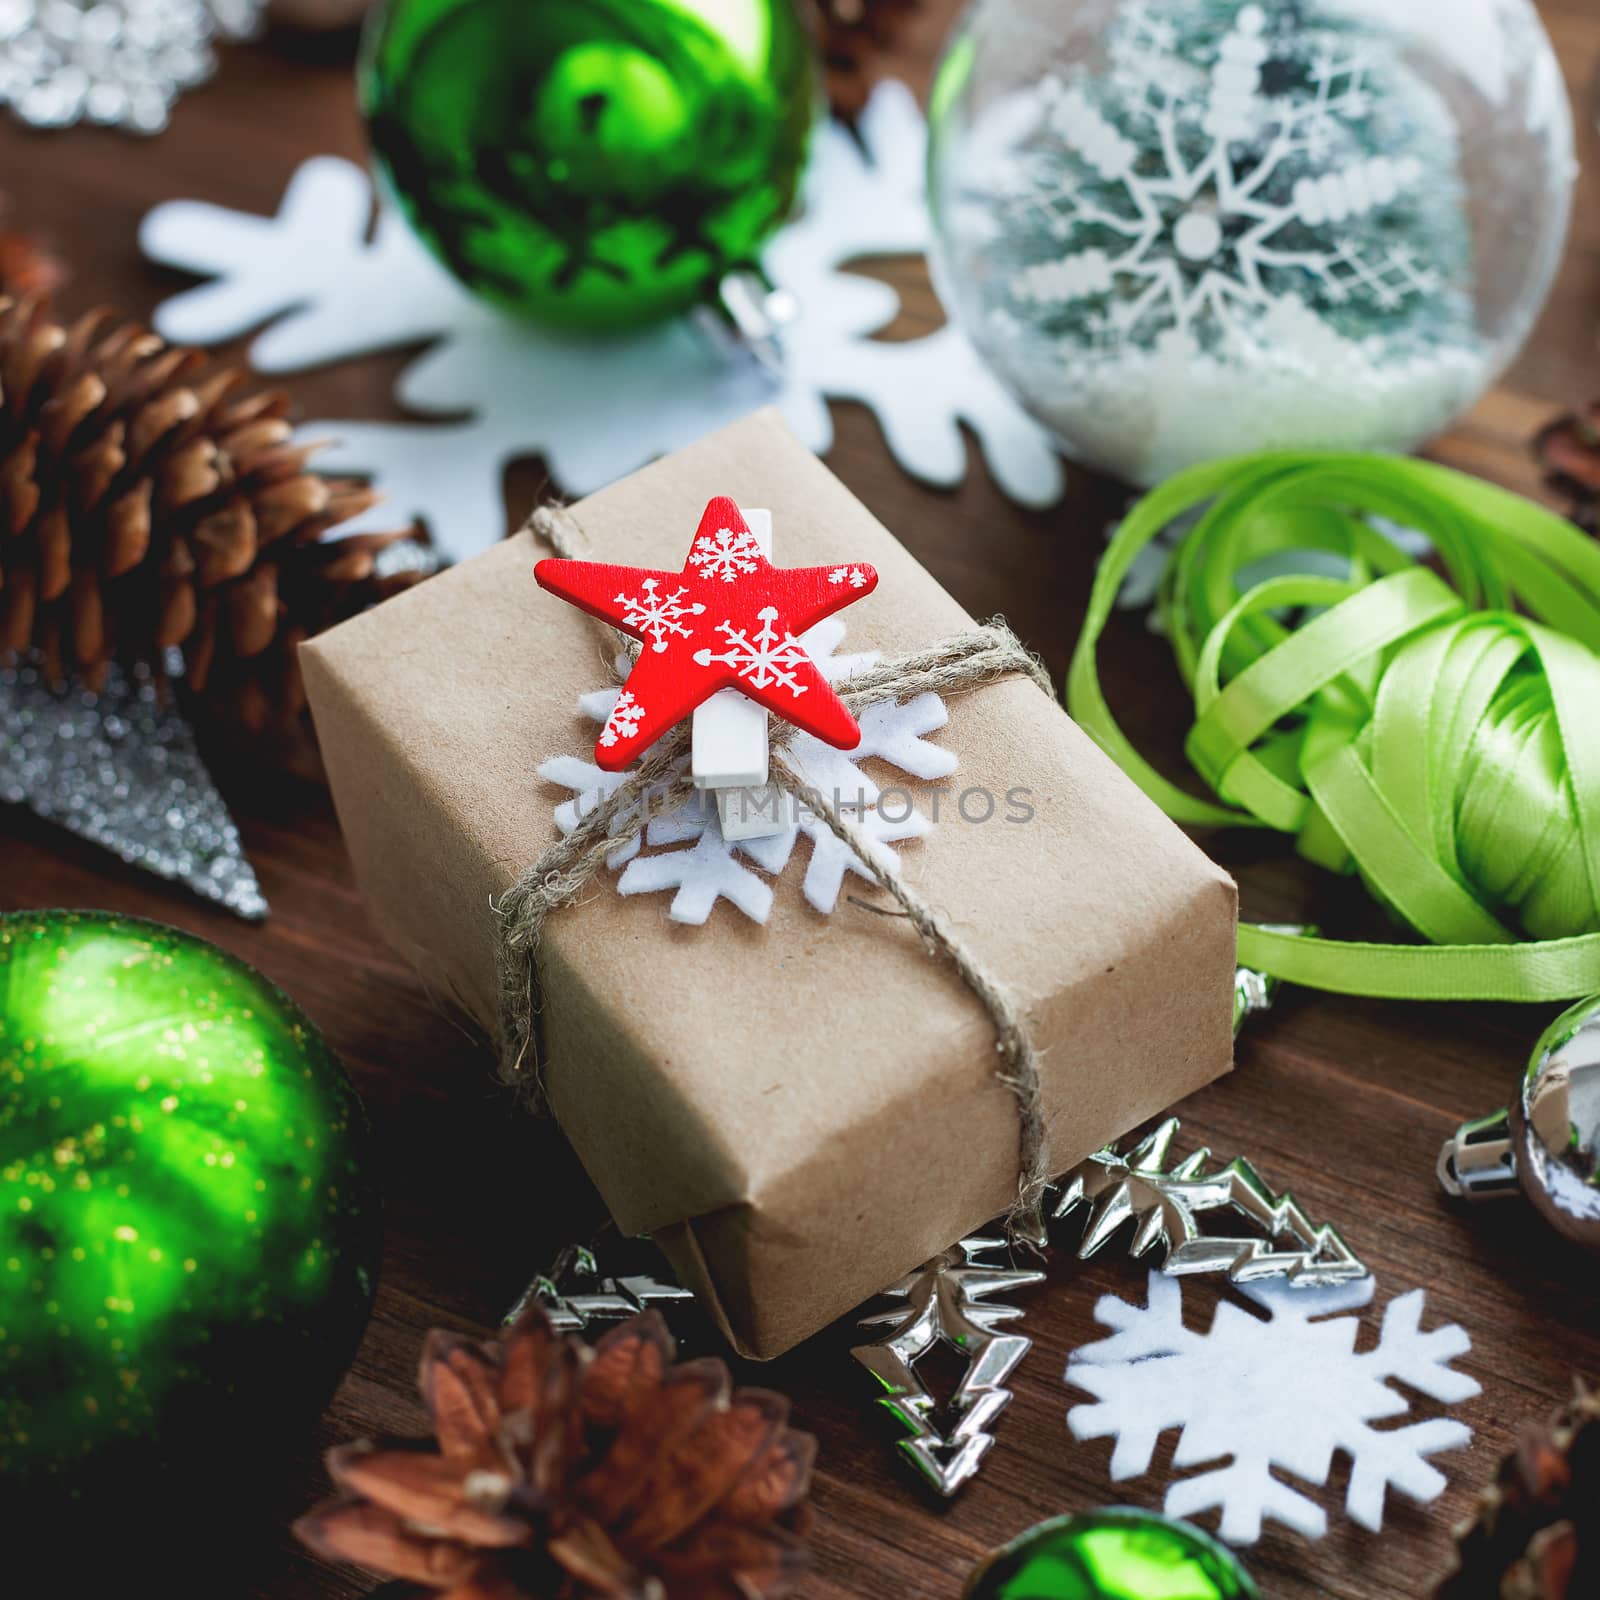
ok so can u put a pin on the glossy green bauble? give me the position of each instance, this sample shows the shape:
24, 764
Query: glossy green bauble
596, 164
188, 1235
1112, 1555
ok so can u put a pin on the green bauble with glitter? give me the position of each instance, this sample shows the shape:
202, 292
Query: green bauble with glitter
188, 1234
1112, 1555
597, 164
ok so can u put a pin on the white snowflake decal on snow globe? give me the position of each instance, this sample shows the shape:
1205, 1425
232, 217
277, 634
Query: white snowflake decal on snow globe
1200, 227
683, 850
1258, 1398
1208, 240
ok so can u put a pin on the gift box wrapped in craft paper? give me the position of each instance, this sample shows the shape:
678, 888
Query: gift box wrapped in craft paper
790, 1092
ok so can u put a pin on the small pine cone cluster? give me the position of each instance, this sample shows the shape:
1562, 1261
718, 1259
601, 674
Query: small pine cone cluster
558, 1471
1537, 1532
853, 34
147, 505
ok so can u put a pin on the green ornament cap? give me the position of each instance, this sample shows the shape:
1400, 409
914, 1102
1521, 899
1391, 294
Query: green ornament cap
1111, 1555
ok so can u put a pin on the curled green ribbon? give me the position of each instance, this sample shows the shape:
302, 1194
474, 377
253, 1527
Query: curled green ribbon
1438, 735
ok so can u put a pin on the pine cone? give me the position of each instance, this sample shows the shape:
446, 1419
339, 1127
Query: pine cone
853, 33
28, 265
1537, 1532
562, 1472
1569, 451
147, 505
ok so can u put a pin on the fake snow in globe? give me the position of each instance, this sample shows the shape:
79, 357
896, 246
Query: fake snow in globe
188, 1233
1185, 229
597, 164
1111, 1555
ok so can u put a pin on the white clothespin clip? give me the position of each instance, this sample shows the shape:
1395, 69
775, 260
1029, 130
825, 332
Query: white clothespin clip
731, 748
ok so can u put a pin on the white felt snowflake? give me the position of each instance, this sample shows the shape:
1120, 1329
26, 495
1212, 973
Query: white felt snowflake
1286, 1391
701, 867
596, 408
1206, 244
725, 554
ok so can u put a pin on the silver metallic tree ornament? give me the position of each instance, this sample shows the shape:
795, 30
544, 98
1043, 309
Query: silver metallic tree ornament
1166, 1202
579, 1299
120, 768
948, 1301
118, 62
1546, 1144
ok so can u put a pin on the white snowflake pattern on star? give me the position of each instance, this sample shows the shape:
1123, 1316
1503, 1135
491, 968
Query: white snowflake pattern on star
1283, 1392
700, 868
854, 576
765, 658
1199, 243
623, 721
725, 554
660, 616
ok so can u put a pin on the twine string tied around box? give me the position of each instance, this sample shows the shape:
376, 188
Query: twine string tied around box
967, 660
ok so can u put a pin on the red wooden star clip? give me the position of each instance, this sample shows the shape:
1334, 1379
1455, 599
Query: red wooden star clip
729, 620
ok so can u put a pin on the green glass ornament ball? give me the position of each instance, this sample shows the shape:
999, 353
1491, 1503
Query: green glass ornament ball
189, 1238
597, 164
1112, 1555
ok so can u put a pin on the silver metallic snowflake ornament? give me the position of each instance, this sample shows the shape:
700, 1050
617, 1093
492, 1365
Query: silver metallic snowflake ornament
578, 1298
121, 63
1165, 1204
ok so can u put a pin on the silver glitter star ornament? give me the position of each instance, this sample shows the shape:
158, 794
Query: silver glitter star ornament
948, 1301
1165, 1204
120, 768
117, 62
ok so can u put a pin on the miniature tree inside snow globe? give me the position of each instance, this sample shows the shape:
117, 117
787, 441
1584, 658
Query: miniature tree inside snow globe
1182, 229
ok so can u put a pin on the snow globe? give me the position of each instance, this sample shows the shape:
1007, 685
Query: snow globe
1183, 229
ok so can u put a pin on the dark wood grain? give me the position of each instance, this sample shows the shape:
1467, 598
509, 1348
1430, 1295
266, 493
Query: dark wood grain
1345, 1101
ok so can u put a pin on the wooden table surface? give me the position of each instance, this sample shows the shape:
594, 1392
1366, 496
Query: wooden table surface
1344, 1101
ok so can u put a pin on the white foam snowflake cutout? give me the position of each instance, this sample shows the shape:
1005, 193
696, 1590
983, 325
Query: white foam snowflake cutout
701, 867
1201, 242
1286, 1391
596, 408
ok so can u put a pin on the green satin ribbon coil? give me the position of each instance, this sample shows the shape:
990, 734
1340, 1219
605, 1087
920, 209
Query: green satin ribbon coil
1438, 735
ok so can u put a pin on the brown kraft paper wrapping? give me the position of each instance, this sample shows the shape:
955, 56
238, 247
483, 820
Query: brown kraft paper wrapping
803, 1111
